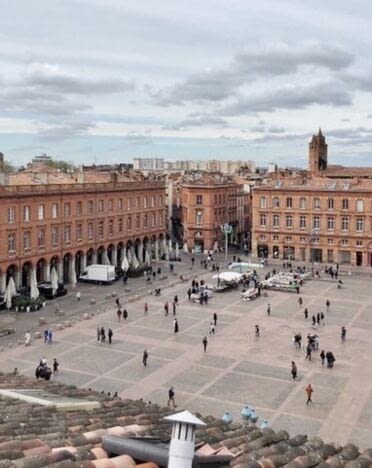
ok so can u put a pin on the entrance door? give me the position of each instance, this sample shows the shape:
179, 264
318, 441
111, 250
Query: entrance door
262, 251
276, 251
316, 255
359, 258
302, 254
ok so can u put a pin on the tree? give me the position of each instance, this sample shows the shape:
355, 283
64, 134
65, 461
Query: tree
64, 166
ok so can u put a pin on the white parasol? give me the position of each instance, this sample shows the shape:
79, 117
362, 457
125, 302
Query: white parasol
34, 293
170, 246
135, 262
73, 277
228, 276
147, 257
10, 292
185, 248
177, 250
125, 264
54, 280
105, 258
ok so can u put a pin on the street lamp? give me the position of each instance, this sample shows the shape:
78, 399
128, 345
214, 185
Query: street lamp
226, 229
313, 236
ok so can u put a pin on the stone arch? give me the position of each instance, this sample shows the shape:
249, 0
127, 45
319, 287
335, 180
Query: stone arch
26, 274
111, 254
66, 267
100, 254
41, 266
79, 263
146, 247
90, 256
119, 253
12, 270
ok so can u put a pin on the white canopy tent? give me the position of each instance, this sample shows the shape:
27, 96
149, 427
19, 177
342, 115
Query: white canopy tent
34, 293
10, 292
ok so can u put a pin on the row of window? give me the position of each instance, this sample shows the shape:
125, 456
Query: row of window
305, 240
302, 222
316, 203
102, 206
149, 221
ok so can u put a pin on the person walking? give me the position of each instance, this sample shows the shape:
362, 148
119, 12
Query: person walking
211, 329
318, 318
322, 356
78, 295
145, 357
175, 326
119, 314
328, 304
50, 336
103, 334
309, 392
175, 300
215, 319
268, 310
314, 320
205, 344
322, 318
257, 331
55, 366
46, 334
308, 352
98, 334
205, 294
166, 309
171, 397
293, 370
300, 301
174, 304
27, 338
343, 334
145, 309
189, 292
306, 313
110, 334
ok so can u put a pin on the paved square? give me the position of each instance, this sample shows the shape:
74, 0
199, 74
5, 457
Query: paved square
237, 368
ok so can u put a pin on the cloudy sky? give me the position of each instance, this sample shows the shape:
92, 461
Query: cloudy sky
108, 80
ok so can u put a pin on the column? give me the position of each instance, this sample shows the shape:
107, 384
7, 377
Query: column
94, 258
60, 271
114, 256
140, 253
17, 279
156, 249
3, 283
83, 264
71, 265
47, 271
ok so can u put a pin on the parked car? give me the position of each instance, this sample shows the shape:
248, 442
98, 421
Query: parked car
46, 290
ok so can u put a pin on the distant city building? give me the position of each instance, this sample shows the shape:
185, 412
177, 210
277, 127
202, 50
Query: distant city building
148, 164
213, 165
321, 215
40, 161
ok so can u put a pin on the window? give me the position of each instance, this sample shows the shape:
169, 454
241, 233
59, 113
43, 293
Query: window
215, 199
101, 229
55, 235
79, 231
26, 213
263, 202
41, 237
26, 240
138, 221
262, 237
120, 225
138, 202
111, 227
316, 222
67, 234
360, 206
344, 242
120, 204
152, 202
359, 243
263, 220
331, 203
288, 239
316, 203
275, 238
54, 210
330, 241
79, 208
302, 203
101, 205
276, 202
160, 219
67, 210
344, 223
303, 240
359, 224
90, 231
199, 218
330, 223
40, 212
145, 202
129, 204
289, 221
11, 215
11, 243
160, 200
289, 202
129, 223
276, 221
90, 207
145, 220
153, 220
345, 204
302, 222
111, 204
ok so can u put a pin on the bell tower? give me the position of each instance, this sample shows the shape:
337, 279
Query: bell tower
318, 153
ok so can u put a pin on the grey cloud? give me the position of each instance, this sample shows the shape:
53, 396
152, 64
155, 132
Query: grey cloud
272, 61
65, 131
290, 97
198, 120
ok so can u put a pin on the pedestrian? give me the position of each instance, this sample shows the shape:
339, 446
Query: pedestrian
146, 309
192, 261
309, 392
110, 335
322, 318
103, 335
125, 314
189, 292
166, 308
171, 397
205, 294
211, 329
55, 366
117, 302
98, 334
145, 357
318, 318
205, 344
78, 295
343, 334
330, 359
322, 356
119, 314
215, 319
300, 301
268, 310
328, 304
27, 338
175, 326
50, 336
314, 320
46, 334
306, 313
175, 299
293, 370
308, 352
257, 331
174, 308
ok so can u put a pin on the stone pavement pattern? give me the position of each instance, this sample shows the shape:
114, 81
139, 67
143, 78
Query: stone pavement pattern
238, 368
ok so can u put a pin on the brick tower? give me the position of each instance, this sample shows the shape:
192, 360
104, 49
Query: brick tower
318, 150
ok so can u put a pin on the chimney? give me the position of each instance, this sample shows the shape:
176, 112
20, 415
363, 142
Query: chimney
113, 177
80, 176
182, 445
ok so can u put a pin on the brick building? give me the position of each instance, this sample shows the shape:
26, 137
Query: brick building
69, 221
207, 202
322, 215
